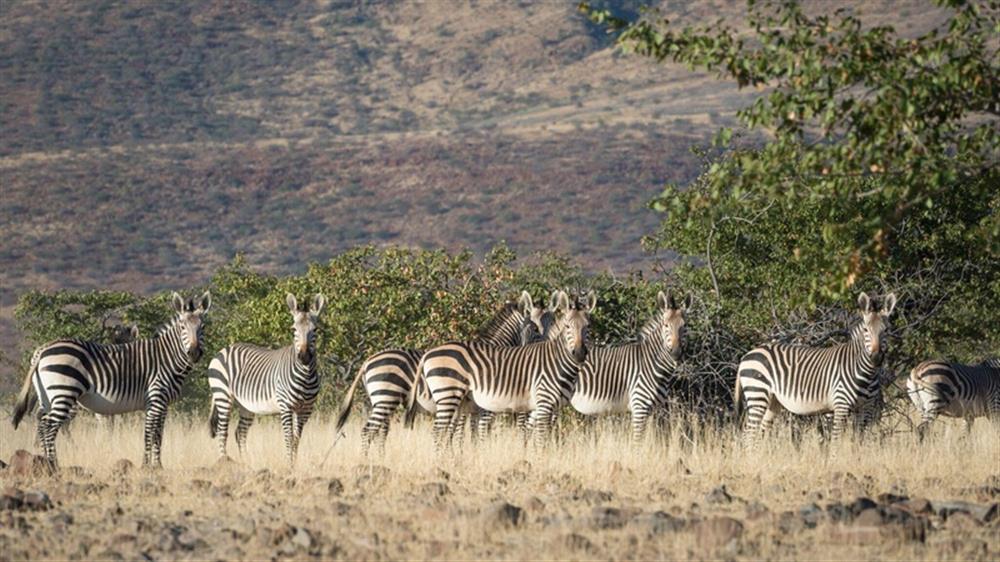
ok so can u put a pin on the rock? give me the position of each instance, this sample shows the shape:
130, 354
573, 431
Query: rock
608, 518
201, 485
122, 467
372, 476
11, 499
890, 498
861, 504
335, 487
574, 541
535, 504
78, 472
659, 522
593, 497
718, 532
811, 515
870, 517
23, 463
3, 465
61, 519
442, 474
881, 523
982, 513
188, 540
36, 500
839, 512
756, 510
303, 539
718, 496
274, 536
502, 515
962, 521
917, 505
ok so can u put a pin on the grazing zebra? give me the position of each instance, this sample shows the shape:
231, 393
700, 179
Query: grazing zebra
956, 390
264, 381
146, 374
389, 374
634, 377
814, 380
534, 378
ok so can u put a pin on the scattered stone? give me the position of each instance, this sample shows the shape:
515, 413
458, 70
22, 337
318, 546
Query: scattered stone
718, 532
811, 515
890, 498
608, 518
23, 463
335, 487
756, 510
982, 513
11, 499
660, 522
917, 505
275, 536
887, 522
61, 519
36, 500
3, 465
201, 485
718, 495
122, 467
535, 504
78, 472
839, 512
861, 504
574, 541
303, 539
503, 515
593, 497
442, 474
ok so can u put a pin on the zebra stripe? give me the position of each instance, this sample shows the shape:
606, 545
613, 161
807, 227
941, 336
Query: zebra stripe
534, 378
263, 381
814, 380
389, 375
147, 374
634, 377
955, 390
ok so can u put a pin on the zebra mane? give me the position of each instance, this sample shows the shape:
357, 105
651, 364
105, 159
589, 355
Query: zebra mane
651, 327
166, 328
500, 320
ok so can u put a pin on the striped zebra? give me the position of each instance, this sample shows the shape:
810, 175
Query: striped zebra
262, 381
535, 378
955, 390
634, 377
389, 374
814, 380
146, 374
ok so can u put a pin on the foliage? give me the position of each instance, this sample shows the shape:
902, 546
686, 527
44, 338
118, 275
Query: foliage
869, 131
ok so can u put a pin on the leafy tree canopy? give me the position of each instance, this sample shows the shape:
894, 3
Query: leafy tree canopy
869, 131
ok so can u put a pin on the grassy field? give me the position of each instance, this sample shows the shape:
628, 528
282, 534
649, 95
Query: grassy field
593, 495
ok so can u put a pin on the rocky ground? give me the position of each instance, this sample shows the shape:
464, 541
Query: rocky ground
696, 503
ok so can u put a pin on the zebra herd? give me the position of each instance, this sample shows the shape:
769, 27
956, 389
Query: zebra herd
530, 360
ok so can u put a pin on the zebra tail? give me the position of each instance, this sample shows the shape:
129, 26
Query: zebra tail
345, 409
738, 398
411, 398
213, 419
26, 400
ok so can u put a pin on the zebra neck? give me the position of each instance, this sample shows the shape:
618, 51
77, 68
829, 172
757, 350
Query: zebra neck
657, 355
504, 329
861, 365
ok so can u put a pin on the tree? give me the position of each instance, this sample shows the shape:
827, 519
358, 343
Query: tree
869, 132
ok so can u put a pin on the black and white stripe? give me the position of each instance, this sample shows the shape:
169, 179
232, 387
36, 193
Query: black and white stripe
146, 374
535, 378
955, 390
814, 380
389, 375
634, 377
261, 381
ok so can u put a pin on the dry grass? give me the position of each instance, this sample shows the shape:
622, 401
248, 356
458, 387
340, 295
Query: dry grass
414, 504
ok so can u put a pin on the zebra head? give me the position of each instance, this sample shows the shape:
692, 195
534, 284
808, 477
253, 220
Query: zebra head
304, 326
573, 323
875, 322
672, 322
538, 320
189, 319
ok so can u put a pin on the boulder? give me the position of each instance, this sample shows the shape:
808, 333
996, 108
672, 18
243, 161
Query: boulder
718, 532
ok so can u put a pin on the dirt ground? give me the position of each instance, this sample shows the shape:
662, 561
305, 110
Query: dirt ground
593, 495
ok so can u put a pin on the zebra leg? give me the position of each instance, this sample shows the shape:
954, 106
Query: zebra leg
541, 421
156, 416
840, 416
242, 428
377, 426
640, 418
301, 418
484, 424
457, 432
444, 417
223, 411
287, 429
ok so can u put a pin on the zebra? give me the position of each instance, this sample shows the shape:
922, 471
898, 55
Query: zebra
634, 377
814, 380
534, 378
146, 374
262, 381
956, 390
389, 374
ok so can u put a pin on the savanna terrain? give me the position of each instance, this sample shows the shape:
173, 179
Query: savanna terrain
592, 495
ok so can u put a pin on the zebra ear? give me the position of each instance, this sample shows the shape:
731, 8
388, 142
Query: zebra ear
563, 301
206, 302
688, 301
591, 301
318, 302
661, 300
889, 305
554, 301
177, 301
134, 331
863, 302
526, 303
293, 305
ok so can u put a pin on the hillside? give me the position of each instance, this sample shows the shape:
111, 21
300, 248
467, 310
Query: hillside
144, 145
